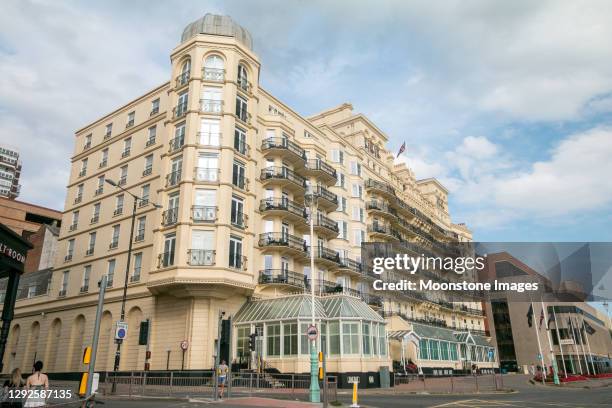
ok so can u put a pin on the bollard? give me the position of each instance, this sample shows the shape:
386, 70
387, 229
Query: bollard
354, 404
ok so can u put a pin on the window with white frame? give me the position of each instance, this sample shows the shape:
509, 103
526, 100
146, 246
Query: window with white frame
290, 339
334, 338
340, 180
337, 156
140, 228
343, 228
273, 337
235, 252
115, 236
137, 267
357, 190
210, 132
110, 272
355, 168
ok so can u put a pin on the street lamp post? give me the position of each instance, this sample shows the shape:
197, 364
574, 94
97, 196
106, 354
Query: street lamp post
127, 273
315, 391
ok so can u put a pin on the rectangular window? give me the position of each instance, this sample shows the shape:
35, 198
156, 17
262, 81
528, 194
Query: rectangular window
179, 137
155, 107
137, 267
238, 175
334, 338
382, 339
341, 181
123, 173
453, 352
235, 252
210, 132
343, 228
144, 194
237, 212
433, 350
100, 188
357, 237
104, 160
65, 277
148, 165
444, 350
357, 190
208, 167
423, 349
109, 130
242, 109
240, 144
273, 340
242, 341
86, 276
115, 237
167, 258
95, 216
130, 119
350, 338
343, 205
83, 167
75, 220
119, 204
355, 168
70, 249
337, 156
367, 338
92, 243
290, 339
212, 100
355, 214
110, 274
140, 228
127, 147
304, 342
87, 141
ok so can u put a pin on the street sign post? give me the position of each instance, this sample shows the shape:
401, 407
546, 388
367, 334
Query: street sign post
184, 347
121, 330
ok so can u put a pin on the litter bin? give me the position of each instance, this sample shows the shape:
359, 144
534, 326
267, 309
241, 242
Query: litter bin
385, 377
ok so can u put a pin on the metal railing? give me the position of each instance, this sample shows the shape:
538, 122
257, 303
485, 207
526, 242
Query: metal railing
170, 216
203, 213
176, 143
173, 178
201, 257
448, 381
283, 143
326, 222
211, 105
282, 173
179, 110
282, 239
377, 185
182, 79
165, 259
324, 193
321, 165
208, 139
281, 203
213, 74
207, 174
327, 253
281, 276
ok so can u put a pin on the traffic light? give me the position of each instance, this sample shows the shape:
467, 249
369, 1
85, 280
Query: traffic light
143, 335
252, 339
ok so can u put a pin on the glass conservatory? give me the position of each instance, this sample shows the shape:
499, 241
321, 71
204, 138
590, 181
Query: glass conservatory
351, 334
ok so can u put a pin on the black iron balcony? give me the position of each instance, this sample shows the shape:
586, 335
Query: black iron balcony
126, 152
211, 106
380, 229
327, 255
61, 293
479, 332
68, 258
325, 225
144, 201
241, 147
282, 277
129, 124
207, 174
165, 259
469, 310
173, 178
87, 146
379, 206
350, 265
283, 206
84, 289
176, 143
213, 74
380, 187
281, 239
89, 251
170, 216
107, 135
180, 110
243, 84
122, 180
150, 141
147, 171
201, 257
103, 163
73, 227
140, 236
114, 243
322, 170
135, 278
182, 79
83, 172
243, 115
288, 149
99, 190
154, 111
283, 174
78, 198
326, 199
204, 213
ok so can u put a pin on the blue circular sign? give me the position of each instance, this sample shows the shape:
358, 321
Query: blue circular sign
121, 333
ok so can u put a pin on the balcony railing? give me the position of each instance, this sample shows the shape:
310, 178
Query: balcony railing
239, 220
283, 143
150, 141
207, 174
103, 163
87, 146
379, 229
170, 216
126, 152
147, 171
143, 202
83, 172
78, 199
213, 74
182, 79
282, 173
180, 110
129, 124
201, 257
209, 139
241, 147
154, 111
61, 293
204, 213
327, 253
282, 276
211, 105
378, 205
173, 178
324, 193
243, 116
89, 252
282, 239
176, 143
139, 237
321, 165
165, 259
84, 289
73, 227
94, 219
281, 203
122, 180
243, 84
135, 278
326, 222
107, 135
99, 190
114, 244
348, 263
68, 258
377, 185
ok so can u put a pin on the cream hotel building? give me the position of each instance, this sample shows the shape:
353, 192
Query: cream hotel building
233, 169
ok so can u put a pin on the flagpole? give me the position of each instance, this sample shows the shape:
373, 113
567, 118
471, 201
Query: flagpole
569, 319
559, 341
586, 335
571, 330
571, 360
535, 326
553, 360
586, 362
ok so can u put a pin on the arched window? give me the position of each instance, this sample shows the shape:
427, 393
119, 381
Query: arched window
185, 73
214, 68
243, 81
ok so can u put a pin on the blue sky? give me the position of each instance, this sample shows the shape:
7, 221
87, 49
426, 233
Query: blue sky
508, 103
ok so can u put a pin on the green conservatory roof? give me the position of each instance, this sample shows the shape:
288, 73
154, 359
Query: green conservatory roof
439, 333
299, 306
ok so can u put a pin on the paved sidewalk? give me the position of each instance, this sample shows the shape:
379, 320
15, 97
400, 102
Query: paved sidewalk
266, 402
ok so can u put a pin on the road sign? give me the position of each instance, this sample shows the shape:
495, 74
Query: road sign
352, 379
121, 330
312, 332
184, 345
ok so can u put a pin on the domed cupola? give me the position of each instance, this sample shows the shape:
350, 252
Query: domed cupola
218, 25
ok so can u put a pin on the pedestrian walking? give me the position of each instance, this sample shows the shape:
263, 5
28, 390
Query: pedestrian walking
36, 384
223, 370
11, 398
